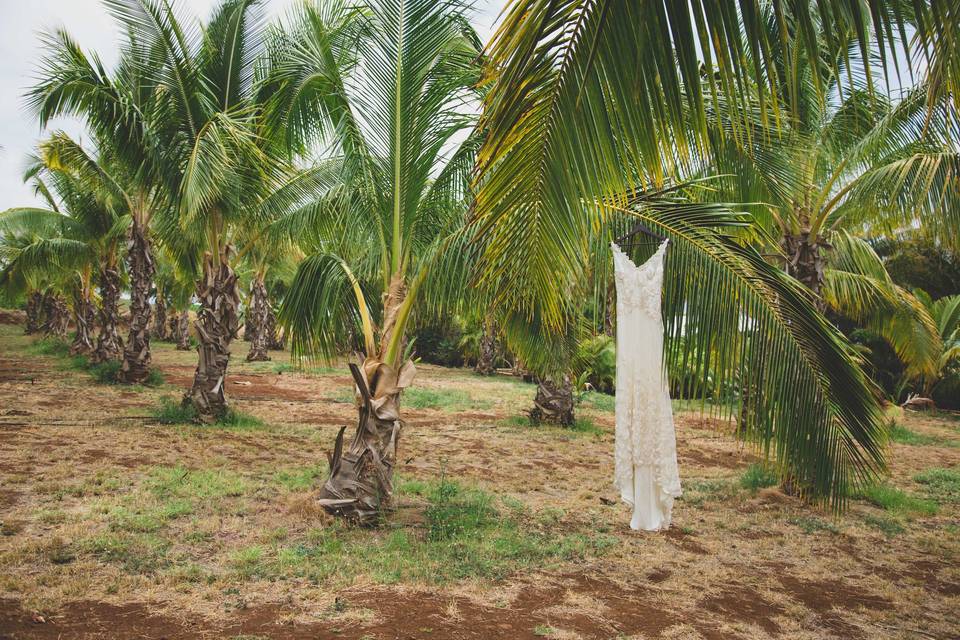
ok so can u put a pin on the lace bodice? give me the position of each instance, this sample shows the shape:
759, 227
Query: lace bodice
645, 438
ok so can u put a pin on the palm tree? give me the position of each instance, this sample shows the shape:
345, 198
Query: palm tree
593, 101
213, 160
388, 84
943, 383
75, 240
116, 108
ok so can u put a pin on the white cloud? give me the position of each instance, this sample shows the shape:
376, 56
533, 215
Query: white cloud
90, 24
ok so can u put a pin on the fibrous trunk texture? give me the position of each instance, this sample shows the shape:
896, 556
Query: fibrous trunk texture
109, 345
249, 323
806, 261
554, 403
258, 312
34, 311
487, 362
360, 485
276, 338
136, 355
160, 319
217, 324
183, 331
83, 315
57, 317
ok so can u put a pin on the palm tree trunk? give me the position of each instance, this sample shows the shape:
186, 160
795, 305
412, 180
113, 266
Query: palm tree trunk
360, 485
160, 318
57, 316
554, 402
487, 362
217, 324
109, 344
173, 326
276, 337
258, 317
136, 355
83, 315
806, 261
34, 311
249, 323
181, 331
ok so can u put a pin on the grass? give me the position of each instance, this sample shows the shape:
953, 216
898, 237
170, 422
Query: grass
465, 533
172, 412
758, 476
599, 401
287, 367
890, 527
299, 479
811, 525
103, 372
897, 501
446, 399
903, 435
942, 485
580, 425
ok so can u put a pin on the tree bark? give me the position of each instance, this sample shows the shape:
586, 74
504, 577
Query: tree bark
34, 311
360, 485
217, 324
109, 344
806, 262
276, 337
487, 361
258, 317
160, 318
249, 323
57, 316
554, 403
173, 325
182, 331
136, 356
83, 315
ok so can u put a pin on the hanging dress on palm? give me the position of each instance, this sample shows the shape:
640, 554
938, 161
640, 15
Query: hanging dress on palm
645, 453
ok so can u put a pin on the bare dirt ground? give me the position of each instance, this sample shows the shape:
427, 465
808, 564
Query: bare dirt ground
113, 525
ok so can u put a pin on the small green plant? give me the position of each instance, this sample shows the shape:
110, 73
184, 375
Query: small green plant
544, 631
599, 401
445, 399
758, 476
454, 511
894, 500
943, 485
239, 420
50, 347
105, 372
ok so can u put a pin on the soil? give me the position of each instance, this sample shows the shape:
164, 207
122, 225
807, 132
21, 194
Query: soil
736, 563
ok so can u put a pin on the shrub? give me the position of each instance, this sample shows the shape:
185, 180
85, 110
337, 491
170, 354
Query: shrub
758, 476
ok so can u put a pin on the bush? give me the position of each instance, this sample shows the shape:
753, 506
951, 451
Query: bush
439, 344
597, 360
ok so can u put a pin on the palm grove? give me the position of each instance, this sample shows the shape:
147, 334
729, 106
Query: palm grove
352, 173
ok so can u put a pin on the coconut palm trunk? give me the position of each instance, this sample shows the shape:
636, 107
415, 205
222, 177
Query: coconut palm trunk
487, 361
183, 331
160, 318
217, 324
34, 311
136, 355
109, 344
361, 476
258, 316
276, 336
553, 403
806, 261
83, 317
56, 316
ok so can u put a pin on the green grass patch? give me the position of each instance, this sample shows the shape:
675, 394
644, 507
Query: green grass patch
446, 399
50, 347
200, 484
148, 519
136, 553
463, 533
581, 425
299, 479
903, 435
810, 525
103, 372
174, 412
942, 485
896, 501
599, 401
699, 492
758, 476
889, 526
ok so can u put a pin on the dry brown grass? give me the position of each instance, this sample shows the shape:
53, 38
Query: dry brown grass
109, 517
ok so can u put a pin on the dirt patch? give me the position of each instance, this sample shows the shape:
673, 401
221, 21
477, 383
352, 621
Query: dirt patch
825, 597
247, 386
684, 541
744, 604
721, 459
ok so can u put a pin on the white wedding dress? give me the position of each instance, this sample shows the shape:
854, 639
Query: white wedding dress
645, 453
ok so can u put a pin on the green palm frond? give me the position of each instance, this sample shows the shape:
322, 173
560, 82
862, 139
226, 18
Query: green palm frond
857, 285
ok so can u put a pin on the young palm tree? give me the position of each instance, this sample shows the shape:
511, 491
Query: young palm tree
388, 85
593, 101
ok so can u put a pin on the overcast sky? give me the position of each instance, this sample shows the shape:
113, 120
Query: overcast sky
90, 24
